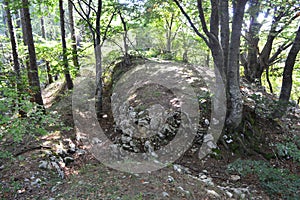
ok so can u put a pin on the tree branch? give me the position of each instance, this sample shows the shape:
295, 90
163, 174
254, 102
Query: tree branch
191, 23
107, 27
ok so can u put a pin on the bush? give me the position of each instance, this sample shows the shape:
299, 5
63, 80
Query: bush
278, 183
34, 121
289, 150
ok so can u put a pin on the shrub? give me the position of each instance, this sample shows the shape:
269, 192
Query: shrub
278, 183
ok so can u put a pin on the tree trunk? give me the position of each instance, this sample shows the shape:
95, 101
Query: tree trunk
185, 58
24, 36
225, 32
73, 36
233, 69
252, 66
97, 46
14, 45
35, 81
4, 20
287, 80
49, 75
64, 46
43, 27
126, 56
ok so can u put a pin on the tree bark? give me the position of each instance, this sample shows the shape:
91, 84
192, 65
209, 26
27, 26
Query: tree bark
233, 70
14, 47
35, 81
64, 46
4, 20
43, 27
13, 42
95, 32
287, 80
126, 56
98, 56
225, 32
73, 36
252, 66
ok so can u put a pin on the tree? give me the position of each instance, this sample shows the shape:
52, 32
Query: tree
87, 9
287, 81
13, 41
225, 52
164, 17
125, 37
255, 61
64, 46
34, 81
73, 36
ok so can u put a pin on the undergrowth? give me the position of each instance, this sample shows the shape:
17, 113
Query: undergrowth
276, 182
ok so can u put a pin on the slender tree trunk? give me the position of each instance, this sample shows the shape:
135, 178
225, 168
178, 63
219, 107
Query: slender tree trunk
126, 56
169, 34
287, 80
35, 81
64, 46
4, 20
24, 36
14, 47
185, 58
18, 22
73, 36
43, 27
225, 32
97, 50
49, 75
13, 42
252, 66
233, 69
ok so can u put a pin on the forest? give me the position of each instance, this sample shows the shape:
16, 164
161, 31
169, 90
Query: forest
149, 99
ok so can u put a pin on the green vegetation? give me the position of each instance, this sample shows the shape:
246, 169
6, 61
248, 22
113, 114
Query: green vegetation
277, 182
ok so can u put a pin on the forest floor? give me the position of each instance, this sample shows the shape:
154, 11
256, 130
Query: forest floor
59, 166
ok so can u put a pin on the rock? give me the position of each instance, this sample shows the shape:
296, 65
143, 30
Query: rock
170, 179
213, 193
61, 152
165, 194
54, 188
59, 171
43, 164
177, 168
161, 135
241, 192
80, 152
1, 167
72, 147
203, 176
183, 190
208, 181
235, 177
229, 194
36, 181
206, 121
125, 139
104, 116
68, 160
96, 140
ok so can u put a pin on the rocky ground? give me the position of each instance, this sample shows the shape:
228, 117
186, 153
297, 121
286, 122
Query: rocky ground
59, 166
